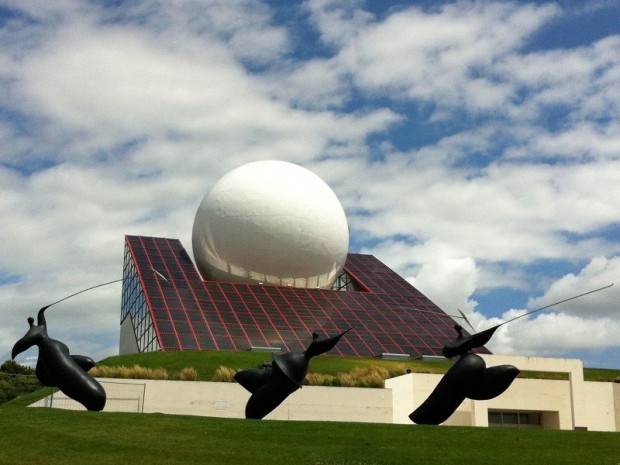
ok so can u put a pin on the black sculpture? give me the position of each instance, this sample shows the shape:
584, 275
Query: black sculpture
467, 378
271, 383
57, 368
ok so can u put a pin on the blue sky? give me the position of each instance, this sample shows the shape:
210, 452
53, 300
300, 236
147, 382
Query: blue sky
475, 147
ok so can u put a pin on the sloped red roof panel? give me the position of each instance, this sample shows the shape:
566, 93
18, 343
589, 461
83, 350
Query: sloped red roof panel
388, 314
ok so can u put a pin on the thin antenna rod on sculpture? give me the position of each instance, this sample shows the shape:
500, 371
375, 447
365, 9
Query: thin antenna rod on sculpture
100, 285
557, 303
463, 317
82, 291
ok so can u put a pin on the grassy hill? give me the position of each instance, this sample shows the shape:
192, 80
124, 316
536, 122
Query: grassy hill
54, 437
33, 436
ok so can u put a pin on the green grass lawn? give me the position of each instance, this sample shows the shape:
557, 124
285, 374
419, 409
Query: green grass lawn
50, 436
206, 362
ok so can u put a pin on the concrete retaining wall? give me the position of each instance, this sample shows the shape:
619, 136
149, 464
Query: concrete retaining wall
568, 404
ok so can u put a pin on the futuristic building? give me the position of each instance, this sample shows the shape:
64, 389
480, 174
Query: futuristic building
271, 243
166, 305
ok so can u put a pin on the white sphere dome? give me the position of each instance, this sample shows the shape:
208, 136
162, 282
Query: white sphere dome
271, 222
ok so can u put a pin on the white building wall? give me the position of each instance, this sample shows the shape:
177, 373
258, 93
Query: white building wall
553, 398
229, 399
616, 389
335, 404
565, 404
402, 388
599, 399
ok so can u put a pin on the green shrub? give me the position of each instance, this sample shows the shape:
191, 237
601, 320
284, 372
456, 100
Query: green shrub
16, 380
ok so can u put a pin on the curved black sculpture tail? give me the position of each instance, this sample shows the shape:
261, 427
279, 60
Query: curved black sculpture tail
467, 378
450, 392
494, 381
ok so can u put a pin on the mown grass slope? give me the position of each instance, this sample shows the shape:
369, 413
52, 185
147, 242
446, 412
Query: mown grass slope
49, 436
54, 437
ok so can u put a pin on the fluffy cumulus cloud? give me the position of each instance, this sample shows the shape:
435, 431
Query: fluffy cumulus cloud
457, 274
474, 152
576, 312
599, 273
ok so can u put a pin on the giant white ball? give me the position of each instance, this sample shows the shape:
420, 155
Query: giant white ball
272, 222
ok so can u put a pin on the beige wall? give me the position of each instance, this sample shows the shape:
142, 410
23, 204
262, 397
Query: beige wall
401, 388
616, 389
335, 404
573, 367
564, 404
599, 398
523, 394
229, 399
538, 395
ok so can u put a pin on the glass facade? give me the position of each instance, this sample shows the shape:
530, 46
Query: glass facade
172, 308
344, 282
134, 306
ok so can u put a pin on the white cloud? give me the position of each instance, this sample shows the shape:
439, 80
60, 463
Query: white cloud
577, 81
117, 121
131, 132
585, 323
554, 334
581, 142
123, 81
313, 84
338, 22
600, 272
442, 55
509, 212
457, 275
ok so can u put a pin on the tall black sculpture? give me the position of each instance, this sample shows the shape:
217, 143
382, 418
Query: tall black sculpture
467, 378
57, 368
271, 383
